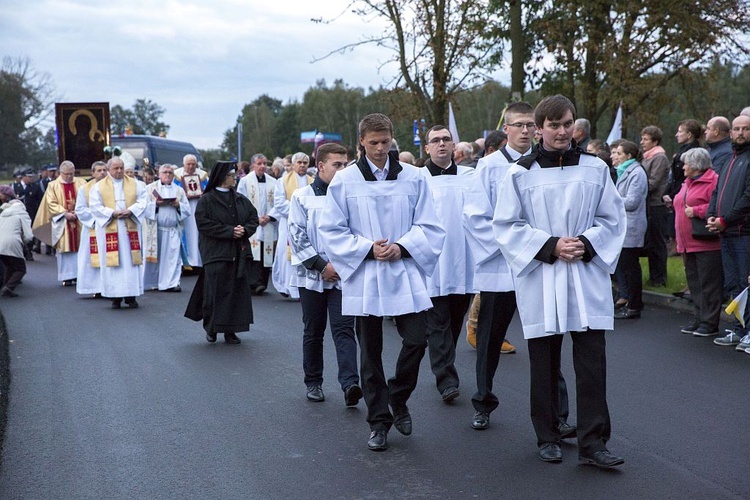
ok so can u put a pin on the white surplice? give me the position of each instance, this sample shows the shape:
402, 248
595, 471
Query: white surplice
305, 209
539, 203
189, 226
359, 212
261, 195
67, 265
89, 279
165, 273
491, 272
282, 264
125, 280
454, 273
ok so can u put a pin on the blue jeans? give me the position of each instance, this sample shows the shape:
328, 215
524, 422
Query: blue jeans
735, 259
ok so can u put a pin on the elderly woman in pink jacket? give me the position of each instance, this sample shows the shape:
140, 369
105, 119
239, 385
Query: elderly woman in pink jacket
701, 251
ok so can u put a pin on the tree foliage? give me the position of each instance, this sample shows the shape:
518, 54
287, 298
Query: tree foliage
433, 43
607, 52
26, 100
144, 118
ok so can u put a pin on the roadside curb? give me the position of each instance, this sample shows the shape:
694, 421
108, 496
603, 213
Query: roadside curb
676, 303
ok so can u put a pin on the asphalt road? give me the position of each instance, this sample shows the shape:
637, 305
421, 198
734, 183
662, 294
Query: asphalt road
135, 404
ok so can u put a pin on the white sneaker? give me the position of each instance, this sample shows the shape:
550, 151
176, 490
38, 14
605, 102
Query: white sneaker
744, 343
729, 339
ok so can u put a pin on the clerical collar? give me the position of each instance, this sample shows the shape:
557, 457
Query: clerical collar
261, 178
436, 170
319, 187
568, 158
223, 190
117, 181
366, 167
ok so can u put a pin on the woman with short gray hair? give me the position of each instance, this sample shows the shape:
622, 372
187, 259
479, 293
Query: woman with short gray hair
701, 252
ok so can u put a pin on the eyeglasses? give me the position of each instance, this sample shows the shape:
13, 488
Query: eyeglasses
438, 140
521, 125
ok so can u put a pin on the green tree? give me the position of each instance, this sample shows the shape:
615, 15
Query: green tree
607, 52
26, 100
144, 118
433, 43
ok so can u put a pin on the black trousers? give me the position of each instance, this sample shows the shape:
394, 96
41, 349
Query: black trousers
630, 267
14, 270
377, 393
590, 363
316, 309
657, 232
496, 310
258, 274
444, 323
705, 279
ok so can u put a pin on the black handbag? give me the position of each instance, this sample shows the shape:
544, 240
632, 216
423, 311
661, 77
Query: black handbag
700, 231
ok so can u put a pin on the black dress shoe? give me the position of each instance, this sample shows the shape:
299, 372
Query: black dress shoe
550, 452
7, 292
211, 336
352, 395
450, 394
231, 338
402, 420
602, 458
116, 303
315, 394
258, 290
131, 302
567, 431
378, 440
174, 289
625, 313
480, 421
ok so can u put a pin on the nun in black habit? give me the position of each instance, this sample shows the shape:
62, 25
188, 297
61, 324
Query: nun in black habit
225, 219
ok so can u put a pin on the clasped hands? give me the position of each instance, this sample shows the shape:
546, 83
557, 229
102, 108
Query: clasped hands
569, 249
329, 273
238, 232
381, 250
121, 214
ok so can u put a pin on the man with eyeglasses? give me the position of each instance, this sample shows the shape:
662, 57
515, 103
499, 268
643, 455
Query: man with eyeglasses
451, 284
561, 226
729, 216
167, 209
57, 219
492, 275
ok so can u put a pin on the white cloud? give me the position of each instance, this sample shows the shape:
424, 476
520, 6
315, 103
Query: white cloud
201, 61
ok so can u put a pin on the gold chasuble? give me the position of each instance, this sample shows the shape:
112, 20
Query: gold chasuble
290, 185
107, 190
49, 225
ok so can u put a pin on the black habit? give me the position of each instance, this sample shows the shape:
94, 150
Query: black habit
221, 297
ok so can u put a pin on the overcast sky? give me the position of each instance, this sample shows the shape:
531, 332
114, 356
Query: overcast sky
200, 60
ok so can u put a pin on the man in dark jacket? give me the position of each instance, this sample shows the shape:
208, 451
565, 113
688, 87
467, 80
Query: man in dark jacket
718, 142
31, 194
729, 215
225, 219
